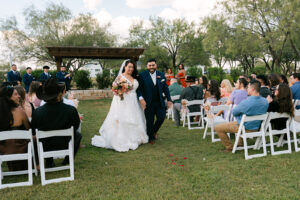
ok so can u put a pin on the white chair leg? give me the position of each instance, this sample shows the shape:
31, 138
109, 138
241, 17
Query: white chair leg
264, 145
245, 147
29, 164
189, 122
34, 161
289, 142
272, 144
183, 123
280, 142
205, 131
71, 161
42, 165
238, 135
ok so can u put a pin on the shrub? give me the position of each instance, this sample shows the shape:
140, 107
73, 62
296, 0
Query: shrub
215, 73
82, 79
104, 79
258, 70
235, 73
194, 71
3, 77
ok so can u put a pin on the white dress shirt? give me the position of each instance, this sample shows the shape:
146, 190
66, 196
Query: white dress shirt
153, 76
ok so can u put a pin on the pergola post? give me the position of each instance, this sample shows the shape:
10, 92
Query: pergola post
58, 61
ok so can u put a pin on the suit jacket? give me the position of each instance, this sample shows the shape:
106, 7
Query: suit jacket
27, 79
146, 86
192, 93
12, 77
45, 77
61, 77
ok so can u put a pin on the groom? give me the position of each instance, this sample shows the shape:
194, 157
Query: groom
152, 85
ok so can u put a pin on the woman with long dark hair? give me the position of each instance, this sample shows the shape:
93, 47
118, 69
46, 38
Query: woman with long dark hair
12, 117
282, 103
23, 103
203, 82
213, 92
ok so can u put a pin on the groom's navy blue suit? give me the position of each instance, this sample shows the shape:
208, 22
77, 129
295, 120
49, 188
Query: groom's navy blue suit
153, 95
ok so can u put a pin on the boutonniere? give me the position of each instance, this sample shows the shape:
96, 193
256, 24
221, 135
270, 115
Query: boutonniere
158, 77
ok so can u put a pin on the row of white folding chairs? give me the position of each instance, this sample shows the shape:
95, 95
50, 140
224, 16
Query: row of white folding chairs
266, 130
30, 156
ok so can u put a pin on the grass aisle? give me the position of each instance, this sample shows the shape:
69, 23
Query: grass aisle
148, 172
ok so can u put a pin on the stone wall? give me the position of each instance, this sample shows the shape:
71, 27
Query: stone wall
92, 94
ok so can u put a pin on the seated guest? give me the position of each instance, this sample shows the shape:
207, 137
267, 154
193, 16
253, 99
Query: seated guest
213, 93
295, 82
240, 93
283, 79
28, 78
55, 115
45, 75
253, 105
191, 92
203, 82
13, 76
31, 97
226, 88
264, 90
175, 89
25, 105
62, 85
273, 82
282, 103
12, 117
64, 76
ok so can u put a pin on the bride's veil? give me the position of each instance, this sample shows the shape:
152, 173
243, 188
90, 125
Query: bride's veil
122, 67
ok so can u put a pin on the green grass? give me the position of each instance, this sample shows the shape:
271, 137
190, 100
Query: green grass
147, 173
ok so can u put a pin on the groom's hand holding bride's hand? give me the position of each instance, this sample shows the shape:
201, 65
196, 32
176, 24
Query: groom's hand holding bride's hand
143, 104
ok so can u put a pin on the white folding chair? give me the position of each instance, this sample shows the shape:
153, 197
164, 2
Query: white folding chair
270, 132
212, 122
242, 133
170, 110
193, 114
56, 154
29, 156
295, 127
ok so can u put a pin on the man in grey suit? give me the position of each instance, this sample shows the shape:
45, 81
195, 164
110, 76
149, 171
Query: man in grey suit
191, 92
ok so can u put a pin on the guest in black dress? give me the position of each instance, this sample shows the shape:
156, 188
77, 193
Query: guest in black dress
282, 103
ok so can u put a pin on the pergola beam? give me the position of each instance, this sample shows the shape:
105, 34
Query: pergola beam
60, 53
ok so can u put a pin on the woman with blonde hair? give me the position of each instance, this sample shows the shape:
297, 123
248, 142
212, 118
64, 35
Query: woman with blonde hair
226, 88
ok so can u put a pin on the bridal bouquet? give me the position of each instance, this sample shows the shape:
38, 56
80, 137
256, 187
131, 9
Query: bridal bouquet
121, 86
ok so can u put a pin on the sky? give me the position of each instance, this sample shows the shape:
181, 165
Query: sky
120, 13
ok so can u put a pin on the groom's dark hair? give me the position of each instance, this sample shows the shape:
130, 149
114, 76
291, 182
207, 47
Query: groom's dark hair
151, 60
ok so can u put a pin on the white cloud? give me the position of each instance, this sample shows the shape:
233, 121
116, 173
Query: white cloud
170, 14
148, 3
119, 25
91, 4
190, 9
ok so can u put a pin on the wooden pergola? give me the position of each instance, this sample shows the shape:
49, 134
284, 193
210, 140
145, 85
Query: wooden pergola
59, 53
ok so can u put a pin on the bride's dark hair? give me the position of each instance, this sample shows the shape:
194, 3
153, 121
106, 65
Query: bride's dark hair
135, 72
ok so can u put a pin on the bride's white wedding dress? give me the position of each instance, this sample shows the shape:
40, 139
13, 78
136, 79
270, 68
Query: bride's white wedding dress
125, 126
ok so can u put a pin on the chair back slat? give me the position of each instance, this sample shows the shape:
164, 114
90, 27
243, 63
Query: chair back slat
195, 102
55, 133
276, 115
255, 118
15, 134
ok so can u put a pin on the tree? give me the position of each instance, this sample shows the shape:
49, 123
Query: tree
172, 42
55, 26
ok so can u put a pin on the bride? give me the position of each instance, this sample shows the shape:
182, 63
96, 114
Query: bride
125, 126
